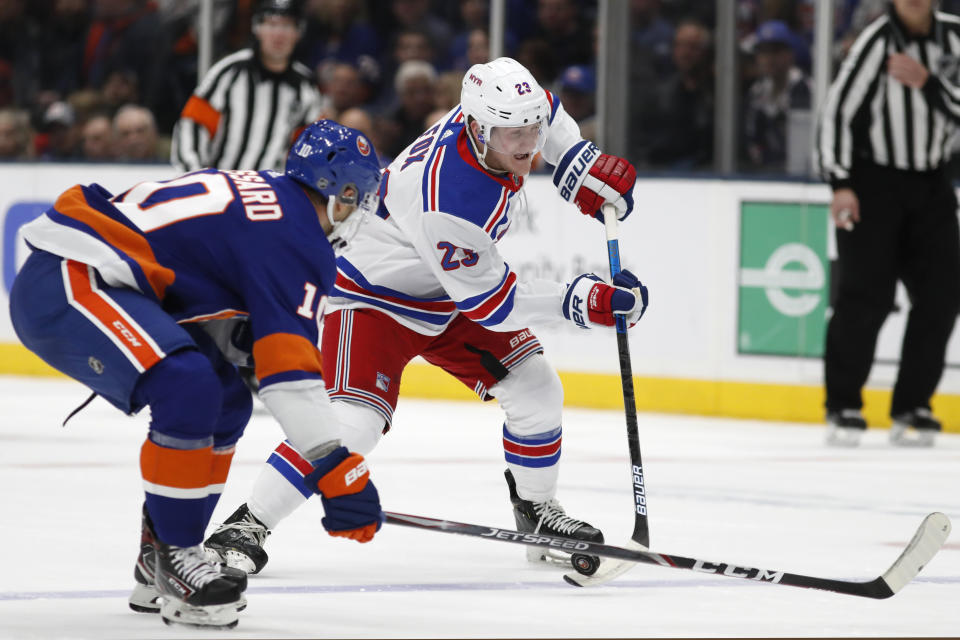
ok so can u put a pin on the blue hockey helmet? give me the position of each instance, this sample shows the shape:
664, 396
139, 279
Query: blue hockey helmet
333, 159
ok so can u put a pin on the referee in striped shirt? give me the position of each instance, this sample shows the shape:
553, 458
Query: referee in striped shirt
884, 139
251, 104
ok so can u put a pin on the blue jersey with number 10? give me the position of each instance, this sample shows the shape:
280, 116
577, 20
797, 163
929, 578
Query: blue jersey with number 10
209, 246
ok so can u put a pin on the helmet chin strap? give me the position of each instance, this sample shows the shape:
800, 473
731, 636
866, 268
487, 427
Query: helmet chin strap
331, 209
482, 155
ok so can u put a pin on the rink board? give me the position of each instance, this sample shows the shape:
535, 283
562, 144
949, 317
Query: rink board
738, 273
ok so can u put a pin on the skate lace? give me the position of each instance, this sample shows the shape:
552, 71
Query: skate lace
257, 531
552, 515
192, 565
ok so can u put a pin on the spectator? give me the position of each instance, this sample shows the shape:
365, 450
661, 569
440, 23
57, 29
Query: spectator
96, 139
246, 110
14, 134
344, 87
415, 84
578, 86
471, 45
337, 33
677, 124
128, 36
135, 134
412, 43
652, 34
779, 88
58, 136
362, 121
415, 15
566, 32
121, 87
537, 56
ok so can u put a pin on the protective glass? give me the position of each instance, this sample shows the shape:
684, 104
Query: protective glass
518, 140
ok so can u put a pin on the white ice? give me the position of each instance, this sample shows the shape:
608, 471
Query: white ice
752, 493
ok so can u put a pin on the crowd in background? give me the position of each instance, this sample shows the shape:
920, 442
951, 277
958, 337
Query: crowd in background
105, 80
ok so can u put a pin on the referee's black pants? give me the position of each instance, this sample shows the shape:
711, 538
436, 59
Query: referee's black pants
908, 231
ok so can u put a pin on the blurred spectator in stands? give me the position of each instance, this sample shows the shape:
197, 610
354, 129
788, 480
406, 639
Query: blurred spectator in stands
343, 87
337, 32
19, 48
578, 86
566, 31
414, 85
128, 36
471, 45
135, 135
361, 120
446, 95
14, 134
538, 57
676, 125
412, 43
61, 47
57, 137
477, 51
651, 35
121, 87
416, 15
96, 139
779, 88
86, 103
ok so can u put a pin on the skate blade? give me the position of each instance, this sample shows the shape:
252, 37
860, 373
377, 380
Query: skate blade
146, 599
905, 436
843, 437
536, 555
177, 613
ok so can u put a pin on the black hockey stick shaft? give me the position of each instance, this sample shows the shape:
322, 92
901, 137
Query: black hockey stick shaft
641, 528
924, 545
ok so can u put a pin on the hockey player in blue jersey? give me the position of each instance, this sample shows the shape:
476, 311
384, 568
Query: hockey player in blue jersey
424, 277
152, 296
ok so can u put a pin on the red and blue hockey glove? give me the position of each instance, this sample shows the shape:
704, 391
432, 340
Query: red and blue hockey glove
589, 301
350, 501
588, 179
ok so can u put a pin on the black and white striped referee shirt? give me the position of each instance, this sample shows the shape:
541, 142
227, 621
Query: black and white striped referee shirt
242, 116
868, 115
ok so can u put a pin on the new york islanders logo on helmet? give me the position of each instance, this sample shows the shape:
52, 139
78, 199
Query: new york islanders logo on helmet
363, 146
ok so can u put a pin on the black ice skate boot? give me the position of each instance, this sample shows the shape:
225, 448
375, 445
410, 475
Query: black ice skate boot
146, 597
192, 590
550, 519
238, 542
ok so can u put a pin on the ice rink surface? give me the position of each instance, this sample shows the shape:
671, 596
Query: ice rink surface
751, 493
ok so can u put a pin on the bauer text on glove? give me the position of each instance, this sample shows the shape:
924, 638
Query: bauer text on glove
588, 179
350, 501
589, 301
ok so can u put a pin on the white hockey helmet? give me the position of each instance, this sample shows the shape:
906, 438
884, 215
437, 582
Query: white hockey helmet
502, 95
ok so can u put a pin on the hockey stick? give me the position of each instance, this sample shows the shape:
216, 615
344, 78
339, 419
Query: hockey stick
926, 542
640, 541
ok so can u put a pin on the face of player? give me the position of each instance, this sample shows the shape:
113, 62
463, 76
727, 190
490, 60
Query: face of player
512, 149
278, 36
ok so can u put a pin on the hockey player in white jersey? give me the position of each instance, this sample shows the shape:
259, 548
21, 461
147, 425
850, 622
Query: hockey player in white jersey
424, 277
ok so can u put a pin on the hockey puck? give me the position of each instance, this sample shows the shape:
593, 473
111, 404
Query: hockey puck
585, 565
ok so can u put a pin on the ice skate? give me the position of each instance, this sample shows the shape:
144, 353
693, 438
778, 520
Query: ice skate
193, 591
917, 428
845, 427
549, 518
146, 597
238, 542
